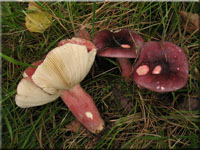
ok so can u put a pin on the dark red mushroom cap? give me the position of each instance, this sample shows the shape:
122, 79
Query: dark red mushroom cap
162, 67
120, 44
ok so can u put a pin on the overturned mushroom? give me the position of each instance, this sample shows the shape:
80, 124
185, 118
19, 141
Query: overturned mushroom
30, 95
162, 67
121, 45
59, 74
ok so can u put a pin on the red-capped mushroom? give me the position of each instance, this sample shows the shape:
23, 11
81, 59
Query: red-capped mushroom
121, 45
162, 67
59, 74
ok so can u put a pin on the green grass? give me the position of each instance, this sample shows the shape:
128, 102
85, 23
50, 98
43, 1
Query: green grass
154, 120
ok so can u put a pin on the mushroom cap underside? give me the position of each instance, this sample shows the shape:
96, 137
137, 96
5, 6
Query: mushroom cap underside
64, 67
123, 44
30, 95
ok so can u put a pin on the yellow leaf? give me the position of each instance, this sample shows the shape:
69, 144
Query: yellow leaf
36, 19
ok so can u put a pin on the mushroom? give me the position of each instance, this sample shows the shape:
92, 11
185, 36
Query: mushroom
29, 94
60, 74
121, 45
162, 67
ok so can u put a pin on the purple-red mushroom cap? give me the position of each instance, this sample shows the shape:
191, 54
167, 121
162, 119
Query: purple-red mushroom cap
122, 44
162, 67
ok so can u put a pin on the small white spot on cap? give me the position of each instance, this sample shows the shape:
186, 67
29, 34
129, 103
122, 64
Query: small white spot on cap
142, 70
89, 115
157, 70
171, 48
125, 46
158, 87
178, 68
162, 88
157, 82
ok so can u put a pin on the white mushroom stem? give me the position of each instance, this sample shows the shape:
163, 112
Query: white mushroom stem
83, 108
126, 68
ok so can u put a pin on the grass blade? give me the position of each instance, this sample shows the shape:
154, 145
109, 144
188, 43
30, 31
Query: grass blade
15, 61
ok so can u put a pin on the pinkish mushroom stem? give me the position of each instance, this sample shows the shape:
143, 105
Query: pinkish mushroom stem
122, 45
126, 68
83, 108
79, 102
77, 99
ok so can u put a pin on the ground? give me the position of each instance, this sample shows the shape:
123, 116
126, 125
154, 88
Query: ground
134, 117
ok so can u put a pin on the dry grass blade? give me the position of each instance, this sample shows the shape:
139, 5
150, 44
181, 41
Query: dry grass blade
154, 120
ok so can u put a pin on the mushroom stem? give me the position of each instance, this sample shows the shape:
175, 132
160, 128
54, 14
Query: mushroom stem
126, 68
83, 108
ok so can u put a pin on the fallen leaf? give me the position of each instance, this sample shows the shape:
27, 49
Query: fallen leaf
125, 104
196, 73
74, 126
83, 33
37, 20
191, 104
91, 143
193, 21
